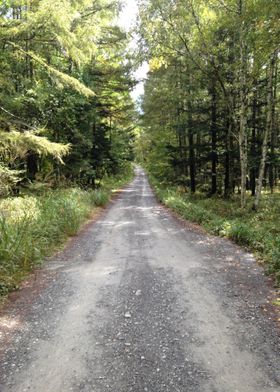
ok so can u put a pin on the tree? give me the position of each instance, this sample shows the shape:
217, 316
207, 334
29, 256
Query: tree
222, 50
65, 78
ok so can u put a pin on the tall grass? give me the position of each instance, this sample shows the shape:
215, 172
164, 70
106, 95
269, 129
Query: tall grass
32, 227
260, 231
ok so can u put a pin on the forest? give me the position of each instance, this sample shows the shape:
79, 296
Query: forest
211, 98
206, 129
64, 92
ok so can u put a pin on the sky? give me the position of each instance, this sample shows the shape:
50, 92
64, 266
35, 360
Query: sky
127, 20
129, 14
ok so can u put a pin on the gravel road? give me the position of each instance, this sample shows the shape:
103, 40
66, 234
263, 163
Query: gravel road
142, 302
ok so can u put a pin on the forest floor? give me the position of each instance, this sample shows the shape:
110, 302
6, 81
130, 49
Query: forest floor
143, 301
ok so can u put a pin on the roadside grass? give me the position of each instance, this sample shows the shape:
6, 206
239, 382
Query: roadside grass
35, 226
258, 231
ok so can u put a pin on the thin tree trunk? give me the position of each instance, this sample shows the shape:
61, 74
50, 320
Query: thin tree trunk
191, 146
181, 145
227, 190
243, 142
214, 138
192, 161
273, 140
266, 132
181, 127
253, 147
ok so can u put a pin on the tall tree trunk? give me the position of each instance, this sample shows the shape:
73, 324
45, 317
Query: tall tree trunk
180, 124
227, 186
243, 142
181, 131
214, 137
267, 131
273, 140
192, 163
253, 147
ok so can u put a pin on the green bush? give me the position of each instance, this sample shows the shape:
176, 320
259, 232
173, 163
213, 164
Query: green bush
240, 233
99, 197
274, 257
32, 227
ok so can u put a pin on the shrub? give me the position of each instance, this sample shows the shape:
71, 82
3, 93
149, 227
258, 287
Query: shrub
240, 233
99, 197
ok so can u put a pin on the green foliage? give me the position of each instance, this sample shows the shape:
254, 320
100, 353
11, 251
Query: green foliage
33, 227
273, 249
65, 80
211, 102
115, 182
61, 77
99, 197
8, 179
17, 144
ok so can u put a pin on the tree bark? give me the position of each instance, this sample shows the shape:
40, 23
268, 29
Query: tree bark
227, 186
267, 131
192, 162
273, 139
253, 147
243, 142
214, 137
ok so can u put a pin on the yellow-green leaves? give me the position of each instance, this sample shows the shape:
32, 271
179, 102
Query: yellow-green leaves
63, 78
157, 62
18, 144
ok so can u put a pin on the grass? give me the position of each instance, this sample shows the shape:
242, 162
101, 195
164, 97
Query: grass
35, 226
258, 231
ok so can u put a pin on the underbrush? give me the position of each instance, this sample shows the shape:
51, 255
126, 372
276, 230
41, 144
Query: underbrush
33, 227
259, 231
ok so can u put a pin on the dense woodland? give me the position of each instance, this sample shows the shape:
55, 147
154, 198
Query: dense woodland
211, 105
66, 115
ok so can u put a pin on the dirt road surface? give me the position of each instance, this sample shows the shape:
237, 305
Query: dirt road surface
141, 302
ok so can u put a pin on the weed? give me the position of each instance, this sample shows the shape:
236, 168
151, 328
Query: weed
32, 227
